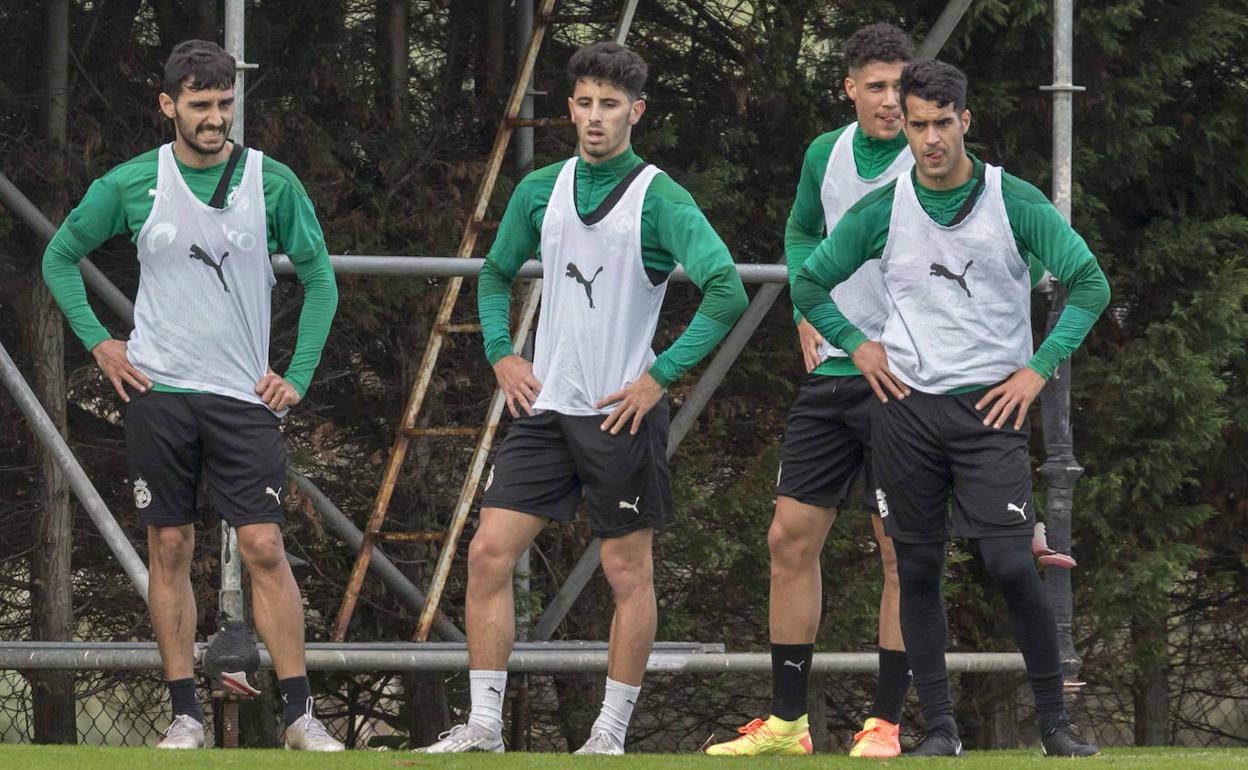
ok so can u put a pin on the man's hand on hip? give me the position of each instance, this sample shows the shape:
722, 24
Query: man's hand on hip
110, 356
1017, 392
810, 339
872, 361
635, 400
277, 392
516, 380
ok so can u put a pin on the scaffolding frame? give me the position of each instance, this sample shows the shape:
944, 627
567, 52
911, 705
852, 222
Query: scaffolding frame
1060, 469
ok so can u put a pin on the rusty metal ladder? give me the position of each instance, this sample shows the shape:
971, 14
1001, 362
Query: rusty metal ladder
442, 327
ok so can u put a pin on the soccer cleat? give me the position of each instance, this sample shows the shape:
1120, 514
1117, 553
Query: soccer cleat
465, 737
601, 742
878, 739
1061, 741
775, 736
937, 745
185, 732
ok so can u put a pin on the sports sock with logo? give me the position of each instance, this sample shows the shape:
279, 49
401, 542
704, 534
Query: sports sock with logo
1010, 562
617, 708
924, 625
182, 695
892, 686
790, 679
296, 691
488, 689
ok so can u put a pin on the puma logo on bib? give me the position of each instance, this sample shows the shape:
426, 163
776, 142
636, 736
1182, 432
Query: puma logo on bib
575, 272
959, 278
202, 256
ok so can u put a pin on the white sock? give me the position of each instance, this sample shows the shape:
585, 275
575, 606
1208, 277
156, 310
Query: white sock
617, 708
488, 688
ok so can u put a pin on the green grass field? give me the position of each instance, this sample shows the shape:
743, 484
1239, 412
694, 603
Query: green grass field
22, 757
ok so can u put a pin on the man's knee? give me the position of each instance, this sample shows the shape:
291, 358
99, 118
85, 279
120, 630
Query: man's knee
794, 541
171, 548
1009, 560
919, 565
489, 559
261, 547
888, 559
628, 569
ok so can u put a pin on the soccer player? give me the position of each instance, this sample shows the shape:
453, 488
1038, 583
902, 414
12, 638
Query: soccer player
954, 371
590, 409
205, 214
827, 440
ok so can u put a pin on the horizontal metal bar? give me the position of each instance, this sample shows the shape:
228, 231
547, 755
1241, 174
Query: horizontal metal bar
449, 431
530, 658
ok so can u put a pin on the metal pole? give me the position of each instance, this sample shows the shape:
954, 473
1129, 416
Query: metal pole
524, 134
626, 21
390, 575
231, 606
715, 372
420, 657
47, 434
1061, 470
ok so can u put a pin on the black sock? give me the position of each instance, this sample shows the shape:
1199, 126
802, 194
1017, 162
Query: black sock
182, 694
295, 694
924, 626
1010, 562
790, 679
892, 686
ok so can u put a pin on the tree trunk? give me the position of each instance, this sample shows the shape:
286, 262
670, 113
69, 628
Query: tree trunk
1152, 691
51, 592
392, 46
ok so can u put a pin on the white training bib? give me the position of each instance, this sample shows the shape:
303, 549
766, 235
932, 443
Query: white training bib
960, 296
201, 317
599, 309
861, 298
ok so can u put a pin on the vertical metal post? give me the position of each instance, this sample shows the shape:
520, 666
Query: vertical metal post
524, 134
1061, 470
235, 10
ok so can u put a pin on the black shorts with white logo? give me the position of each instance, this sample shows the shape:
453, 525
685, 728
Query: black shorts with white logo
931, 447
827, 441
547, 458
171, 438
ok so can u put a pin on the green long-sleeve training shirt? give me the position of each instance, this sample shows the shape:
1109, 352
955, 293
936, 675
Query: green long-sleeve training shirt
1038, 229
120, 202
806, 227
673, 230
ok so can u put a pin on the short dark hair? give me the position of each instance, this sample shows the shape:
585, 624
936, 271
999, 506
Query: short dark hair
611, 62
198, 64
934, 81
877, 42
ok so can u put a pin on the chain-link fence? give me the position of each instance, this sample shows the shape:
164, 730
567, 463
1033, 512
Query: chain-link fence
678, 712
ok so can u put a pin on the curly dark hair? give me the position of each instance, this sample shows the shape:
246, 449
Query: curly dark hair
934, 81
877, 42
198, 64
611, 62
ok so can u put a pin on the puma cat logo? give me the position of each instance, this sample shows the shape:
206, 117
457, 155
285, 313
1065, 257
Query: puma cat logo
797, 665
275, 493
575, 272
943, 272
1020, 511
495, 690
633, 505
202, 256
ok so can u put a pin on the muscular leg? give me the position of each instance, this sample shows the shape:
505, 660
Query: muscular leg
491, 611
629, 567
171, 601
796, 539
276, 604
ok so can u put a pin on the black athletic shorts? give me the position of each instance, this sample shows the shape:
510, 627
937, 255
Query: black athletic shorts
827, 441
172, 437
928, 448
548, 457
